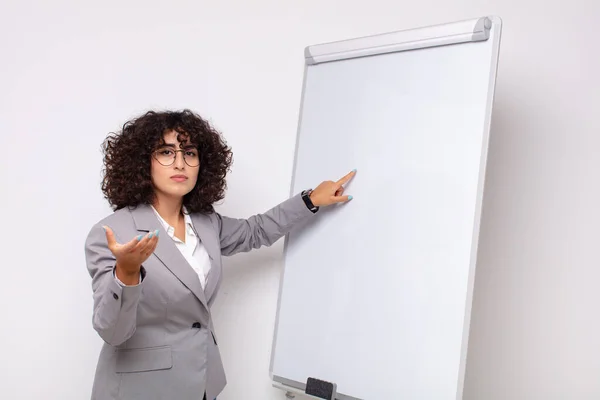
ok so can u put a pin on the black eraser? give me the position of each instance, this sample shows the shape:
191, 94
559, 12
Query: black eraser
321, 389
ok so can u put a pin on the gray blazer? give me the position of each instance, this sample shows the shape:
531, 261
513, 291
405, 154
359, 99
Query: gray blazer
160, 341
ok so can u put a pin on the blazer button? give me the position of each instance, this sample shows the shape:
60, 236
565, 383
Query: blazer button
116, 296
196, 325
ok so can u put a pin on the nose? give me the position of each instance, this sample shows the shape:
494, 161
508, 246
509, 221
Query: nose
179, 161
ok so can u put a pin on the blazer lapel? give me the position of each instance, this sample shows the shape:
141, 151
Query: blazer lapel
166, 251
206, 232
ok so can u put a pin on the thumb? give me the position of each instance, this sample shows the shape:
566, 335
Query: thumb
110, 236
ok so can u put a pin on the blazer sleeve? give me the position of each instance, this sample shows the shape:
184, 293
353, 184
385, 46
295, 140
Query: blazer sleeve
242, 235
115, 305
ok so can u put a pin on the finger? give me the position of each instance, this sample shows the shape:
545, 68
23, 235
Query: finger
147, 252
346, 178
339, 192
129, 246
149, 249
142, 241
150, 243
154, 244
341, 199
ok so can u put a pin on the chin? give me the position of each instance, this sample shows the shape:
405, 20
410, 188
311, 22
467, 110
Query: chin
181, 192
175, 191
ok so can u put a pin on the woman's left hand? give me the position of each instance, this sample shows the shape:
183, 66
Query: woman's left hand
330, 192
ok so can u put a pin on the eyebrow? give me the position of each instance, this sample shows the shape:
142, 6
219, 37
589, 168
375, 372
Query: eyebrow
173, 145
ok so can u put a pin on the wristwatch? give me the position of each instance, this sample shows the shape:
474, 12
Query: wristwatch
306, 197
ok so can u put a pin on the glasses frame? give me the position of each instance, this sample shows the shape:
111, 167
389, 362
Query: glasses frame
182, 151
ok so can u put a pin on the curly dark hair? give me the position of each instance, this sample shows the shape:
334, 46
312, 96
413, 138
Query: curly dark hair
127, 159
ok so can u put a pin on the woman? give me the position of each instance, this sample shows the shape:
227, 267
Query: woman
155, 262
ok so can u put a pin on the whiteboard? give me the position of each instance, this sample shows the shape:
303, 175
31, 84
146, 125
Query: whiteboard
375, 294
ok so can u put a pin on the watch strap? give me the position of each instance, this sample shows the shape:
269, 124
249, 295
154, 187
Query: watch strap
306, 198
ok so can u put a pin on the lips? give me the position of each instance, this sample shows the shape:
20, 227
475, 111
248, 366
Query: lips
179, 178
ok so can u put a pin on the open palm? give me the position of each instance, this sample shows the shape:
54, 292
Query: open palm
132, 254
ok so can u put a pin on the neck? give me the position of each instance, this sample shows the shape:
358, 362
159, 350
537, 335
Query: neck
169, 208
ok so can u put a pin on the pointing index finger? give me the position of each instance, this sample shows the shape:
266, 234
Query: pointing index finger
346, 178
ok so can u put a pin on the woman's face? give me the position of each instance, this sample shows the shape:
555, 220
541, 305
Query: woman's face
175, 166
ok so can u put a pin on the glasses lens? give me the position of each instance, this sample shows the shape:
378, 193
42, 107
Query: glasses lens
191, 157
165, 156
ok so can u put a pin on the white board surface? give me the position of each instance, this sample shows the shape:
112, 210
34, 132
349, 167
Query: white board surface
376, 293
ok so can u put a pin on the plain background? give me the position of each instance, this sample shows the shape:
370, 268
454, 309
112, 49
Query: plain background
73, 71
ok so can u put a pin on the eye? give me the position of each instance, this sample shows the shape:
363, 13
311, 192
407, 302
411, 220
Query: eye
166, 152
191, 154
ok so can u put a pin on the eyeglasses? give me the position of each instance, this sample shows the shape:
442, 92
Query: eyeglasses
167, 156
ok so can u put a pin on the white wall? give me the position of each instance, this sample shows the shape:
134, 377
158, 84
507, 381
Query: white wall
70, 74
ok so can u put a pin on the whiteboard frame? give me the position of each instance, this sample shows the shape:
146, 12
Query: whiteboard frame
465, 31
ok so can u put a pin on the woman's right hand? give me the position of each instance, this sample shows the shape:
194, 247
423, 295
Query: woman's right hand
131, 255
